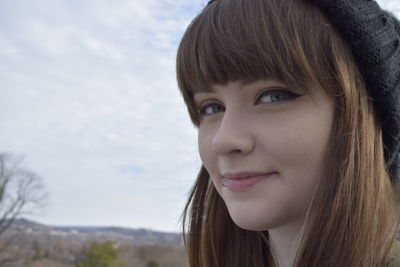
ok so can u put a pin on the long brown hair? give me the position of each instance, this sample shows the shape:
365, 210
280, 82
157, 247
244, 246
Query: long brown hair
353, 217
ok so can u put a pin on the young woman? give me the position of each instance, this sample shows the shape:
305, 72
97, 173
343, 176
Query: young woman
297, 105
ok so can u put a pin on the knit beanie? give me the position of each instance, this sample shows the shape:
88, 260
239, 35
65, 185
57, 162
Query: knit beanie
374, 38
373, 35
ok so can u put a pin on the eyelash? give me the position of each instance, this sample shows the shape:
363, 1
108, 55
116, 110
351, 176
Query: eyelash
290, 96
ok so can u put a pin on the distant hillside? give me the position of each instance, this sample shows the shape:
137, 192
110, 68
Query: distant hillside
88, 233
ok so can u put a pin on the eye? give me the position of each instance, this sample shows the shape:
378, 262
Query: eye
210, 109
276, 96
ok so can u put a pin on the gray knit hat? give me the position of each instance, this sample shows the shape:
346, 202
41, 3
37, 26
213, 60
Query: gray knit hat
374, 38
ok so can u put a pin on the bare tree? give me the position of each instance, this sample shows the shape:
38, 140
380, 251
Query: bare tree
21, 193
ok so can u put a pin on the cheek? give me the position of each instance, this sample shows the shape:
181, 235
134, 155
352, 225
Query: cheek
205, 136
298, 142
302, 148
309, 143
208, 157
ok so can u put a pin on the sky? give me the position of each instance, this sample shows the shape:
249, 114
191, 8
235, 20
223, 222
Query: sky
90, 99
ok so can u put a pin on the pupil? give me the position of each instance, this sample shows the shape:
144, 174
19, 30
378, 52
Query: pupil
217, 108
277, 97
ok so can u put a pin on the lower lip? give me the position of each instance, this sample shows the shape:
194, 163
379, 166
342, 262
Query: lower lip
245, 183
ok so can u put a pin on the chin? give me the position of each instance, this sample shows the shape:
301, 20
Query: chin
250, 224
250, 227
256, 220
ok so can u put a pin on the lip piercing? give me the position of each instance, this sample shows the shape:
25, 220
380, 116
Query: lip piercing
223, 182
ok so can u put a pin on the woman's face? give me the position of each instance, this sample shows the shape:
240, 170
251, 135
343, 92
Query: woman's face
270, 142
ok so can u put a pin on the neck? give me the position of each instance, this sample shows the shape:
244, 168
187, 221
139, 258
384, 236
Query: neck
284, 242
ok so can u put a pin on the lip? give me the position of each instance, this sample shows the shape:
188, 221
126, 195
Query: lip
244, 175
244, 180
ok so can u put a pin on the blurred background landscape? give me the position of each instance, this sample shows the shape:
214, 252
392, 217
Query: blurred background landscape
42, 245
97, 152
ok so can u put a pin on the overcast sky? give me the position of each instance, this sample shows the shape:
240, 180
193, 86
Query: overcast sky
89, 97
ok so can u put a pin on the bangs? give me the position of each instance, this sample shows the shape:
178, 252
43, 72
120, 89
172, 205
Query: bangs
250, 40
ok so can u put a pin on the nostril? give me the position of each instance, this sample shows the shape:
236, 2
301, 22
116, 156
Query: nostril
232, 143
236, 151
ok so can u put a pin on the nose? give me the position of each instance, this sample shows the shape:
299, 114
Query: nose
233, 136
